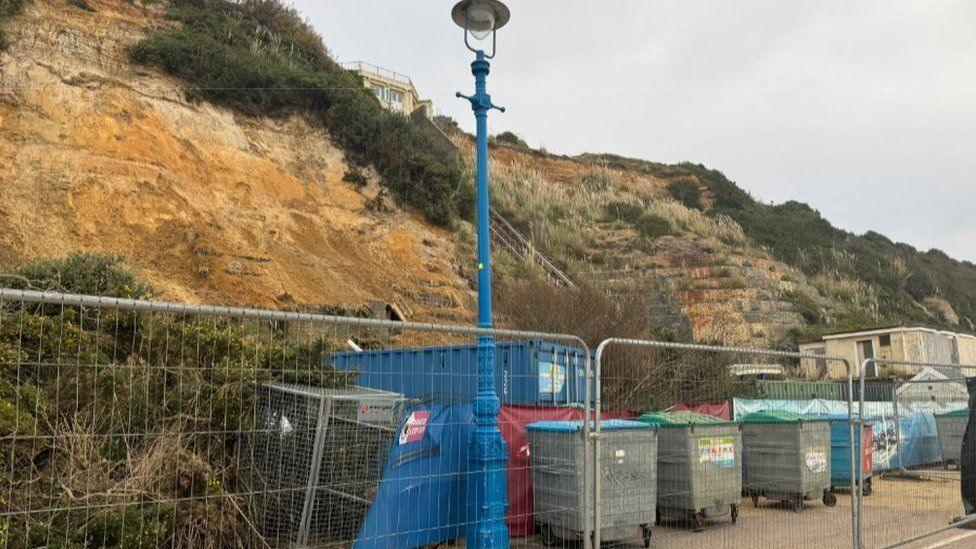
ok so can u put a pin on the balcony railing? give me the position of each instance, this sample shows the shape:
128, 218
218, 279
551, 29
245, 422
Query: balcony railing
362, 66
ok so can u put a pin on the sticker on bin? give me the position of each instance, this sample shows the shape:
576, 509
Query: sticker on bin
415, 427
552, 378
817, 460
719, 451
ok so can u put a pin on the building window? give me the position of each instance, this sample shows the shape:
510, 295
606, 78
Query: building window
379, 92
396, 99
885, 341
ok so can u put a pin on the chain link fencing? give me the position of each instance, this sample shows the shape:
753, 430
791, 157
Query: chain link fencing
130, 423
911, 495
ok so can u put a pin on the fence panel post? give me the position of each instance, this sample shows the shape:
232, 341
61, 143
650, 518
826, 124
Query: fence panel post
906, 446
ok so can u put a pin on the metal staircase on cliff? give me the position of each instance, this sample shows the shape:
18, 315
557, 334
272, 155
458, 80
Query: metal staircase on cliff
503, 235
507, 237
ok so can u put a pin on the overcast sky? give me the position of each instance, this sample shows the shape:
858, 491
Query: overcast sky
865, 110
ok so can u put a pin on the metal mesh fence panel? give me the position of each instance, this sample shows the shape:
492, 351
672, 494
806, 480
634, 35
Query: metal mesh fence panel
149, 424
913, 495
734, 469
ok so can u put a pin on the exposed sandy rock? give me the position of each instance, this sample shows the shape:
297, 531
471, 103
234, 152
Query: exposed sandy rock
97, 154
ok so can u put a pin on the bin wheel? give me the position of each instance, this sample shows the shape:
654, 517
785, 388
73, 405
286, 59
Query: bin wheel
755, 500
547, 536
868, 489
646, 531
657, 518
829, 498
735, 512
699, 521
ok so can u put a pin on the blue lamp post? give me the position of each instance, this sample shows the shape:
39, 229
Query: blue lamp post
486, 484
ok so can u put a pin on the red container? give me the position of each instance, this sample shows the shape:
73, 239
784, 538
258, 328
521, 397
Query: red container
868, 444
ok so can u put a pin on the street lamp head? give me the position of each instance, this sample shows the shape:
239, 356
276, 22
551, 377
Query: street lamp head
480, 17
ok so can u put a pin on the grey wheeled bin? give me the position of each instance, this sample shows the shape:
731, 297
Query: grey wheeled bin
628, 469
699, 464
786, 457
951, 428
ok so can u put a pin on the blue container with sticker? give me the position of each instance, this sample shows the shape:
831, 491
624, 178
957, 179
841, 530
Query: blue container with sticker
531, 373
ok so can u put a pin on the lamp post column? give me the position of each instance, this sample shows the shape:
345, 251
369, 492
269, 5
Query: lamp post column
486, 488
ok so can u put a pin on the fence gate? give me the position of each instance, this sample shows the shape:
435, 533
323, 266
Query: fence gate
910, 494
698, 457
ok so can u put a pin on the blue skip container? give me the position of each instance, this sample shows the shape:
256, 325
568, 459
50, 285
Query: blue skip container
532, 373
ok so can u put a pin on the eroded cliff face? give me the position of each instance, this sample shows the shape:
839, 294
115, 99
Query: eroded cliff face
703, 275
99, 155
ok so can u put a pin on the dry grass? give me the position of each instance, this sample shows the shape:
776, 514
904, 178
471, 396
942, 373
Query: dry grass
560, 218
555, 217
854, 293
695, 222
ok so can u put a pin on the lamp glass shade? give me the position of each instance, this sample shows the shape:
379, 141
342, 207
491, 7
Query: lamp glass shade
481, 21
481, 17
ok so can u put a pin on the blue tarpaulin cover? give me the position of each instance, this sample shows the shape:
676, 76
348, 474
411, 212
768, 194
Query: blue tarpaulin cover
916, 442
421, 500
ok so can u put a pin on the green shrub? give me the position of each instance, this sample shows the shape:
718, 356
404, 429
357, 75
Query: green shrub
260, 58
687, 192
809, 309
509, 138
82, 273
81, 4
630, 212
356, 177
8, 10
920, 285
734, 282
652, 227
599, 181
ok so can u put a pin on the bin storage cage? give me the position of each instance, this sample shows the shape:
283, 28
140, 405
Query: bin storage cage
786, 457
316, 459
699, 461
951, 428
628, 467
533, 373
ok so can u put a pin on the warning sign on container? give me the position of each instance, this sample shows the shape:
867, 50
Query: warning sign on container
552, 378
719, 451
376, 412
415, 427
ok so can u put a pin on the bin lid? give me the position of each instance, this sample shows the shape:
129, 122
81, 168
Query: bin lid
576, 426
955, 413
681, 419
778, 416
